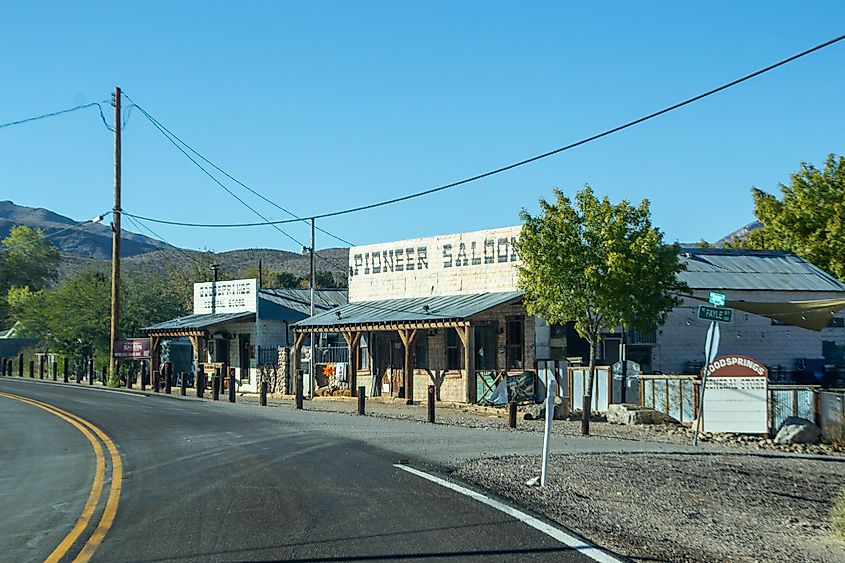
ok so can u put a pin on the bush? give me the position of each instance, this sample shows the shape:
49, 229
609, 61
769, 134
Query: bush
839, 515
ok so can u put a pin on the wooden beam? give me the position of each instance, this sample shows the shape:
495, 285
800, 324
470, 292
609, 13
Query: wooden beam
408, 336
352, 340
468, 338
154, 342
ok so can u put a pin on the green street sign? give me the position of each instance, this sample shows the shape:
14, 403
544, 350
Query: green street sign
715, 314
717, 299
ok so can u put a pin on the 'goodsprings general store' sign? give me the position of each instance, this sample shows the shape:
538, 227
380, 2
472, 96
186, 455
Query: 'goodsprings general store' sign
737, 365
459, 263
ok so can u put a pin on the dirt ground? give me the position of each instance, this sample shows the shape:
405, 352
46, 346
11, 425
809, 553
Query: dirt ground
676, 507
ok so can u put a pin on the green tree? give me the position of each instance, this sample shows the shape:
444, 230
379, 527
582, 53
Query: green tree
598, 264
325, 280
809, 220
272, 278
27, 259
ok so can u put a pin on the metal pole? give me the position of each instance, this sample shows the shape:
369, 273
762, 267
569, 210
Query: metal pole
547, 436
168, 381
362, 400
143, 375
65, 373
430, 405
54, 371
312, 362
215, 385
115, 252
263, 398
200, 380
91, 371
183, 384
623, 357
31, 369
512, 414
156, 381
231, 385
20, 365
41, 366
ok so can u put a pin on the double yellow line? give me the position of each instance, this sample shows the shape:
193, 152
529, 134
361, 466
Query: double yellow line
89, 431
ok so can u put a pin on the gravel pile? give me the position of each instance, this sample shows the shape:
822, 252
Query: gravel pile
669, 507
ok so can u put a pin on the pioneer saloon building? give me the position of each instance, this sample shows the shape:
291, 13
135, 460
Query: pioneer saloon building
446, 311
437, 310
234, 324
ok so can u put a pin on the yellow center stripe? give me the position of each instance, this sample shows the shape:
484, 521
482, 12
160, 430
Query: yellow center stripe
110, 510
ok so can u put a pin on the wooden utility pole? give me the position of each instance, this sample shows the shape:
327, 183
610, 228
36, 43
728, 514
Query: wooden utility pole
115, 246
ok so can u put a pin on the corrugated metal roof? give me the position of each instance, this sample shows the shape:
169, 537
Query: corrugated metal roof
300, 299
773, 270
411, 309
198, 321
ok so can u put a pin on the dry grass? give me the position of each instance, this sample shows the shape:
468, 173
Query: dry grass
838, 515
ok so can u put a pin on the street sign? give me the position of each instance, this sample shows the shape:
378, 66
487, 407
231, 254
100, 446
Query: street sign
719, 314
717, 299
711, 343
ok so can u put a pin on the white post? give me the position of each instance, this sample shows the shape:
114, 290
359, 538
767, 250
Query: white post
550, 415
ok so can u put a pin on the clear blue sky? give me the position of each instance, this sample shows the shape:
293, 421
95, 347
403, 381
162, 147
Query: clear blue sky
327, 105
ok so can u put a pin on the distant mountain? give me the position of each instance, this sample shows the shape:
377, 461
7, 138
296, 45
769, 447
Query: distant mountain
89, 247
89, 240
740, 233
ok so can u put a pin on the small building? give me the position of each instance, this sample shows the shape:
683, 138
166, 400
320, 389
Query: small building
237, 325
446, 311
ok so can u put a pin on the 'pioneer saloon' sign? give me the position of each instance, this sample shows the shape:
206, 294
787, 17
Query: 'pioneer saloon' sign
736, 397
132, 349
473, 262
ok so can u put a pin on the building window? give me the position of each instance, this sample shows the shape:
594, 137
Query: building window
454, 350
364, 353
420, 359
515, 347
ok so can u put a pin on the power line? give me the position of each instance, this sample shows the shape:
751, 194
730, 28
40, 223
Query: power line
159, 237
543, 155
60, 112
161, 126
69, 227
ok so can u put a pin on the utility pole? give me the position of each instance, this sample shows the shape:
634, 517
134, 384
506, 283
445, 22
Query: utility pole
115, 246
311, 364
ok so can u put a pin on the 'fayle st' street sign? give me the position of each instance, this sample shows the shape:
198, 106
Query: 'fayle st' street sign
715, 314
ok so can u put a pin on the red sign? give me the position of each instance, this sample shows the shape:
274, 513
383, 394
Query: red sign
736, 366
132, 349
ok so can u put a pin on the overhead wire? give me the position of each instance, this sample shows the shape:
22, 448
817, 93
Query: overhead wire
157, 123
547, 154
60, 112
181, 251
59, 231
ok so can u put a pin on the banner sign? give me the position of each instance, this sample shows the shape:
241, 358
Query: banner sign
737, 396
132, 349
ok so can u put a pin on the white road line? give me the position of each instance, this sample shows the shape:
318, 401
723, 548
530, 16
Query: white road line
593, 552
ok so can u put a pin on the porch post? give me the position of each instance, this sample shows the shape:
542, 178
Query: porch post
298, 340
467, 336
408, 336
154, 342
352, 339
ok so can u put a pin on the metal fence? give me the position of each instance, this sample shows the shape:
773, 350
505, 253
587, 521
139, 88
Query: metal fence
832, 415
791, 400
331, 354
674, 395
268, 356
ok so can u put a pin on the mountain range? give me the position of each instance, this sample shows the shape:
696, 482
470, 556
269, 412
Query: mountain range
88, 246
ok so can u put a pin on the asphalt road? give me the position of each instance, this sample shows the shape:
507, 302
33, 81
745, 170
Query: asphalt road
207, 481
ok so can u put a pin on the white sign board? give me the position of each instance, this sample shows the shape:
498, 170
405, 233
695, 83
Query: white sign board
235, 296
737, 396
474, 262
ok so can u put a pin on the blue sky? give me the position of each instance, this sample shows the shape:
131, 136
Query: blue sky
327, 105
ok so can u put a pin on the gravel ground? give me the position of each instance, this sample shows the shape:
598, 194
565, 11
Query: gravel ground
700, 507
713, 505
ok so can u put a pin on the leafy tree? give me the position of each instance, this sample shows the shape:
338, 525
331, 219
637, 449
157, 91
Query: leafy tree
27, 259
325, 280
598, 264
272, 278
809, 220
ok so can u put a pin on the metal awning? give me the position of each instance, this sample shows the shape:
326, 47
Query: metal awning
193, 325
419, 312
